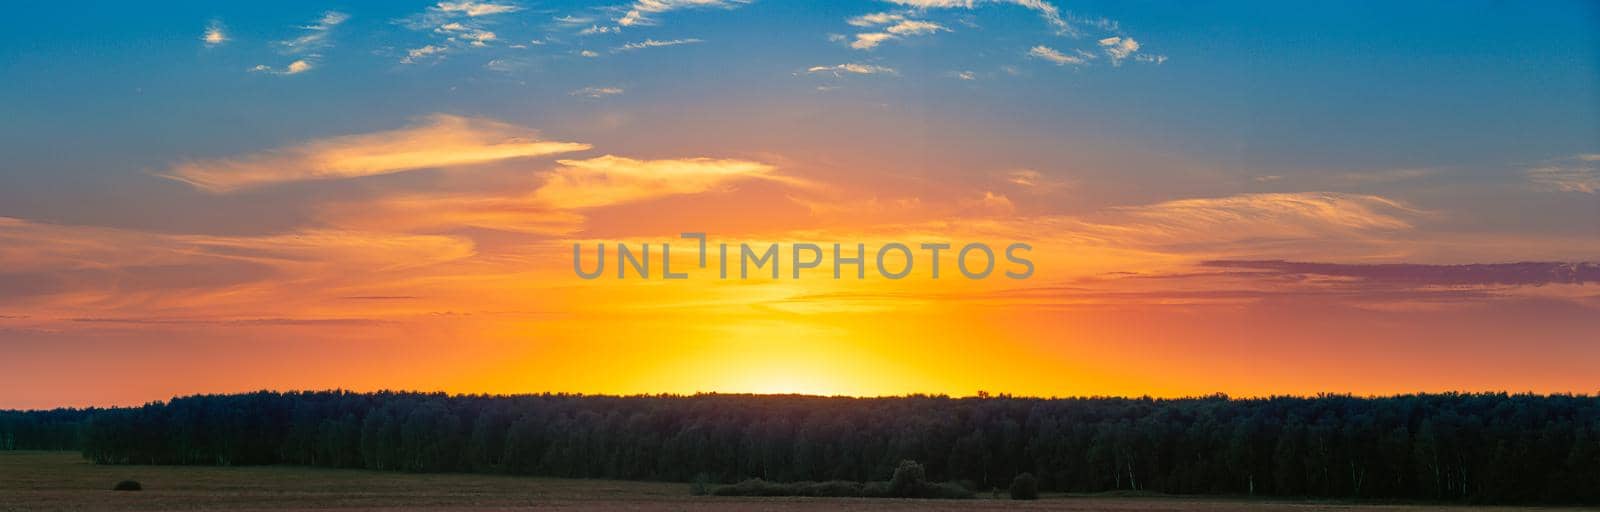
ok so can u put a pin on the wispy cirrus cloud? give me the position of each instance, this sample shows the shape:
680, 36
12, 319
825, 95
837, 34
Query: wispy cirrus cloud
851, 68
1580, 173
307, 47
609, 179
641, 11
67, 269
554, 206
439, 141
652, 43
1056, 57
1527, 273
597, 92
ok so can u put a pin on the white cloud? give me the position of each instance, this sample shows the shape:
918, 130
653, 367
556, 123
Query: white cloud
1119, 48
596, 29
589, 54
474, 9
478, 37
652, 43
597, 92
893, 26
1052, 55
1047, 11
858, 69
417, 54
214, 34
639, 13
869, 40
307, 48
874, 19
456, 26
315, 36
966, 75
296, 67
915, 27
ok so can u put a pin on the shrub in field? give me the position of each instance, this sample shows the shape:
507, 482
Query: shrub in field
1025, 487
910, 480
833, 489
127, 485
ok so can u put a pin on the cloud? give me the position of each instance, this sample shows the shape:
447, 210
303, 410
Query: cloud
1482, 274
597, 92
214, 34
314, 37
1052, 55
639, 13
966, 75
298, 66
609, 179
596, 29
417, 212
1119, 48
869, 40
914, 27
881, 18
893, 26
417, 54
67, 269
454, 26
589, 53
307, 48
1049, 12
652, 43
851, 68
475, 9
440, 141
1576, 174
1276, 215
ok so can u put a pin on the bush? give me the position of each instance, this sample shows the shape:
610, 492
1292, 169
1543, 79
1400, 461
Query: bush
910, 480
127, 485
832, 489
1025, 487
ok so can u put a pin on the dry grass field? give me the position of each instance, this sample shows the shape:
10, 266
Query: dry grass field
64, 481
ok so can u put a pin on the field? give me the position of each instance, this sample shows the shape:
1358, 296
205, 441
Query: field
64, 481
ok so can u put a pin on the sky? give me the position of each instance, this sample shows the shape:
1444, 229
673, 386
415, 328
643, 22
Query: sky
1252, 198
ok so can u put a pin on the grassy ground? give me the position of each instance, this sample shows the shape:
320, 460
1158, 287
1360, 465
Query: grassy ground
64, 481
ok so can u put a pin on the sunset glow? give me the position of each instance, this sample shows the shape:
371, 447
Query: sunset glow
388, 198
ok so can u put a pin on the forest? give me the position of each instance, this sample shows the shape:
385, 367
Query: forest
1480, 448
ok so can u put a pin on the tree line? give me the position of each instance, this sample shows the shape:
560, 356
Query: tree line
1490, 447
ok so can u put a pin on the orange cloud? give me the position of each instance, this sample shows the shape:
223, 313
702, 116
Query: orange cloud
440, 141
609, 179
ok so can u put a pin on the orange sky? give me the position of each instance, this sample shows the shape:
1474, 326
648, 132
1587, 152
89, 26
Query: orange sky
466, 285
